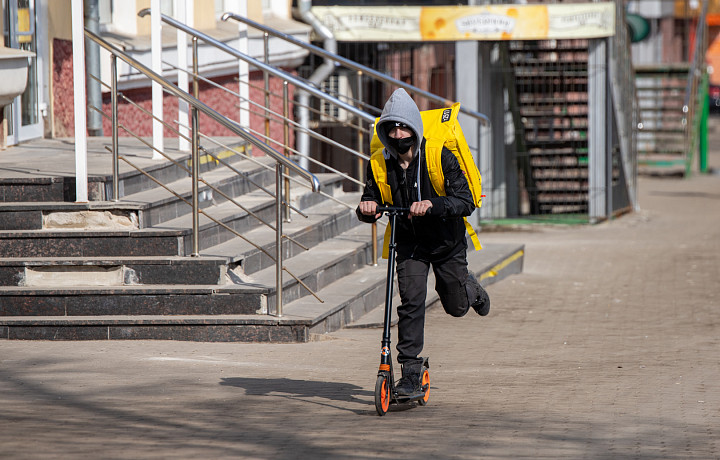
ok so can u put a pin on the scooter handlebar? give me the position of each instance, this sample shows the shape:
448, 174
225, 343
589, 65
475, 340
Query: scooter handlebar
392, 210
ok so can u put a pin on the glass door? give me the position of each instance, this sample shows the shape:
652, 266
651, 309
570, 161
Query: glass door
23, 115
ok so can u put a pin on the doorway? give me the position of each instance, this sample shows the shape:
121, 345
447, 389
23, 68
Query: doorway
23, 115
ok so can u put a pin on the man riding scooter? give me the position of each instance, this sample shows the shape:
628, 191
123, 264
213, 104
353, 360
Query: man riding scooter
433, 233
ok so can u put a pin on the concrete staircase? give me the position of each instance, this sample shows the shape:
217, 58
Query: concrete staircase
105, 270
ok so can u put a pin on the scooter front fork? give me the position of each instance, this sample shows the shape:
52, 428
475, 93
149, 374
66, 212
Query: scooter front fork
386, 362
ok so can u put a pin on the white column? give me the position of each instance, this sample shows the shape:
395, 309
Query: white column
487, 160
157, 93
183, 10
466, 85
474, 91
598, 148
239, 7
244, 69
78, 38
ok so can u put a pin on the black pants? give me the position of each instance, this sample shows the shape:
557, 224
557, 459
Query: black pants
455, 287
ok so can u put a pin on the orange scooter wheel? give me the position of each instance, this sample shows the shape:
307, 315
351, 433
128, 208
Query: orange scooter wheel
425, 383
382, 394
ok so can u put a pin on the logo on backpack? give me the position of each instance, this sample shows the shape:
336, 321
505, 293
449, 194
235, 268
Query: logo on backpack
446, 115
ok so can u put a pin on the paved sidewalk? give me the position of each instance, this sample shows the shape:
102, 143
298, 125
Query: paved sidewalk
606, 346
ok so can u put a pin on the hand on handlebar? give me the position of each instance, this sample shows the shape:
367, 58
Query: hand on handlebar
369, 208
420, 208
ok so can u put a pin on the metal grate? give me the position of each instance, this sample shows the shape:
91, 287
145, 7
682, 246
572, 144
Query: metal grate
549, 95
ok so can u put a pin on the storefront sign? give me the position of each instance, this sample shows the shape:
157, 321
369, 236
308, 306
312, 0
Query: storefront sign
491, 22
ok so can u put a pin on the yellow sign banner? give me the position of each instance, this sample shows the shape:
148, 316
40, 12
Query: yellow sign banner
490, 22
379, 23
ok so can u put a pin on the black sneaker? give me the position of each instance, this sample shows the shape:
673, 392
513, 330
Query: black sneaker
409, 384
482, 304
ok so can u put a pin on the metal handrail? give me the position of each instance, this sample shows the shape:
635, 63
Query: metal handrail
302, 85
361, 71
251, 102
189, 139
299, 83
281, 119
287, 78
210, 112
355, 66
282, 162
324, 194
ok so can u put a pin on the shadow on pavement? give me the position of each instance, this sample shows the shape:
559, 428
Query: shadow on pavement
302, 390
312, 392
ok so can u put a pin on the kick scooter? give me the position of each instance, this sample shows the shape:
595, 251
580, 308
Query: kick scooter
385, 392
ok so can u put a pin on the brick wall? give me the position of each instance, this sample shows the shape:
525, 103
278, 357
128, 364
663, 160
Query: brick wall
141, 124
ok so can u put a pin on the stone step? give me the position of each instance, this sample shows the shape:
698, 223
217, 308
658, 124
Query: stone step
46, 215
362, 293
326, 263
171, 238
159, 205
258, 203
13, 190
132, 300
325, 220
346, 301
499, 262
56, 183
198, 328
118, 271
83, 243
165, 171
132, 181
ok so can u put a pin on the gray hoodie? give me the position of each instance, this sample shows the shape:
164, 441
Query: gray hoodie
440, 233
400, 108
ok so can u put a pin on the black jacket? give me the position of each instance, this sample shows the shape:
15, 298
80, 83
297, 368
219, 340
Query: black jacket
439, 234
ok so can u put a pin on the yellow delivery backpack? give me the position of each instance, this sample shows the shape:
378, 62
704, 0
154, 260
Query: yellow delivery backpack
441, 129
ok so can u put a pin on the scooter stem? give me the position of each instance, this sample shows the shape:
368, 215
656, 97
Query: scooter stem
385, 359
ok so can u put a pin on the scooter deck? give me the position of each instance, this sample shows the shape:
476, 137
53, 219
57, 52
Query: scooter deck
403, 399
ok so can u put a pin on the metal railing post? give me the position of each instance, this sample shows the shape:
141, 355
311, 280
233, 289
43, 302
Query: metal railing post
286, 144
278, 239
374, 244
115, 143
360, 135
195, 157
266, 79
360, 164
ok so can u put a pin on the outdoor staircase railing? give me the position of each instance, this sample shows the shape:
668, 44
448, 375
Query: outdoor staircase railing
283, 163
266, 112
359, 68
364, 120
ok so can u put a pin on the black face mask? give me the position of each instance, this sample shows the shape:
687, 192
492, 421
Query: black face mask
401, 146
